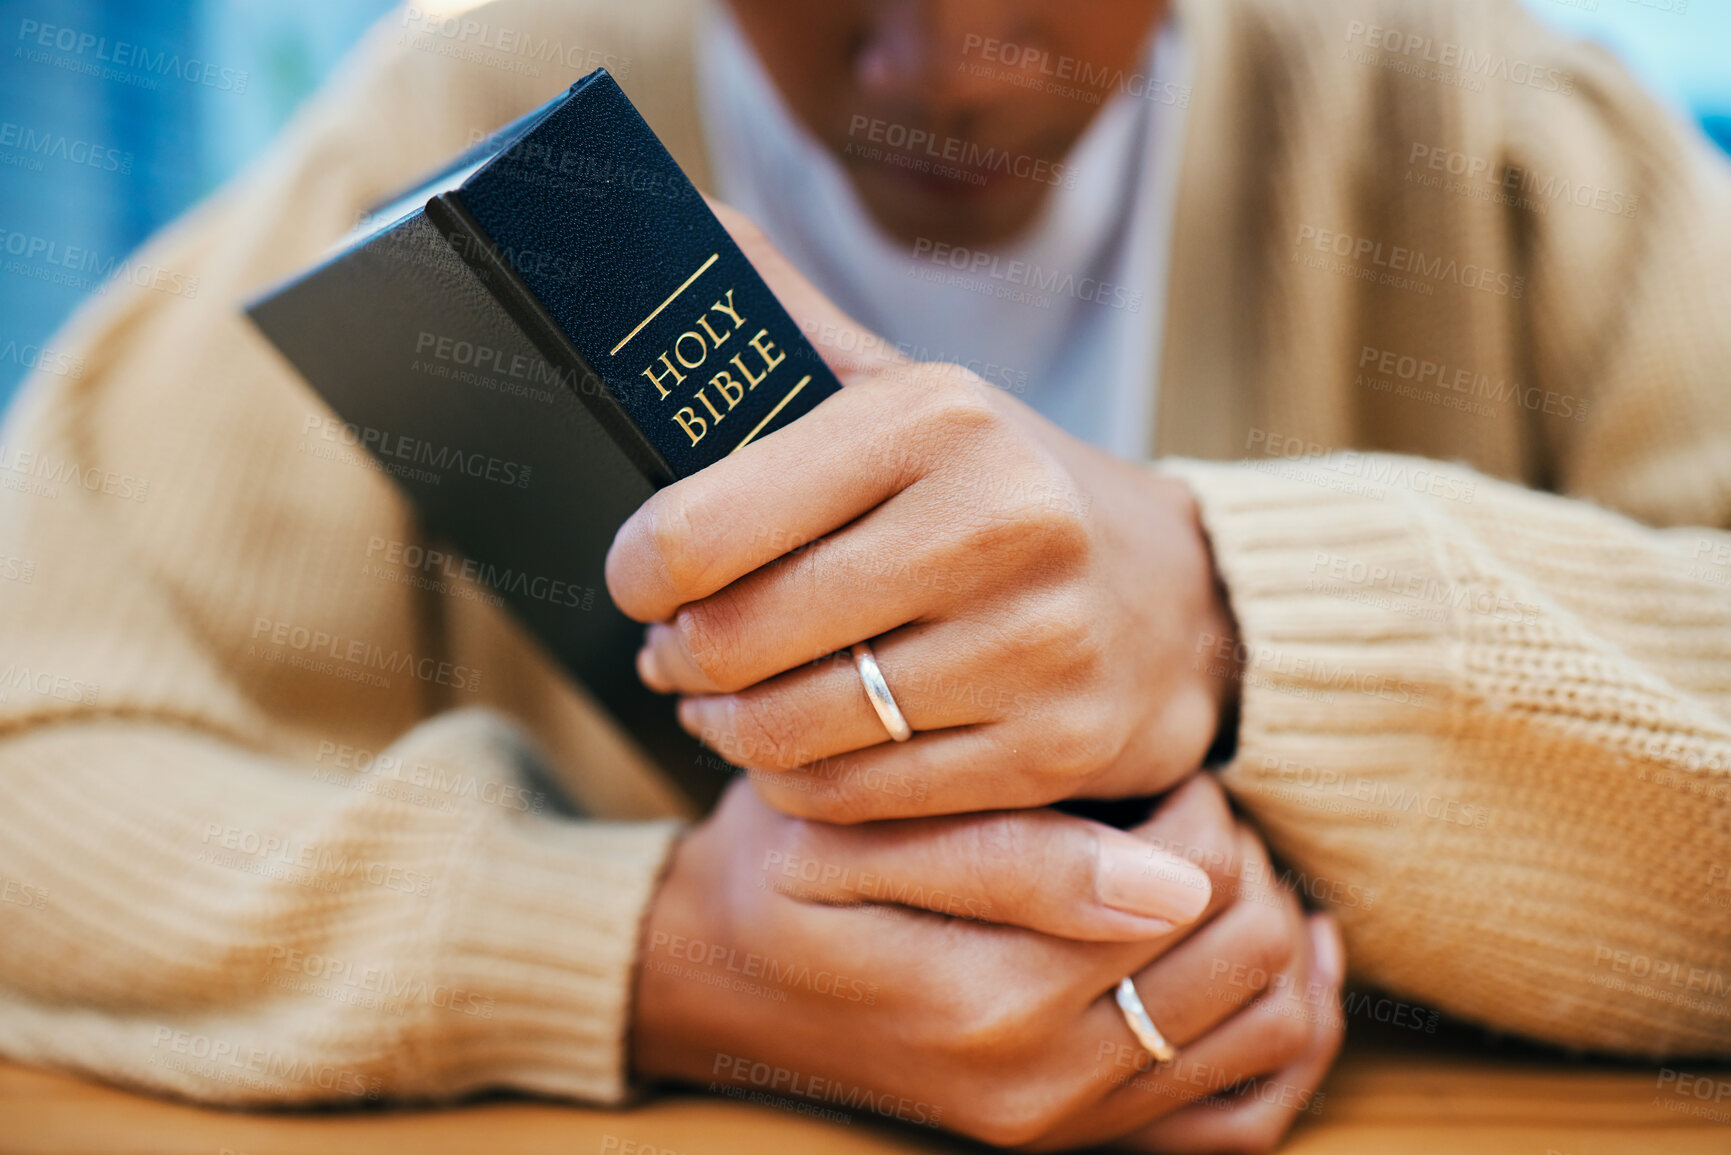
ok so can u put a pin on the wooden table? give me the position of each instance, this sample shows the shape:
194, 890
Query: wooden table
1386, 1097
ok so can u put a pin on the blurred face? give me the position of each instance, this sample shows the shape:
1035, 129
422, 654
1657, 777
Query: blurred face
953, 118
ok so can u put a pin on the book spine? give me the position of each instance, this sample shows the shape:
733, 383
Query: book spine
470, 241
619, 251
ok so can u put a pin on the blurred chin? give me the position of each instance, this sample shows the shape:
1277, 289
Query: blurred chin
912, 205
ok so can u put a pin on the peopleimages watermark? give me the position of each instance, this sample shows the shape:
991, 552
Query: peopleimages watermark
623, 1146
256, 1068
922, 150
1068, 76
1342, 576
310, 864
54, 262
403, 456
17, 893
1691, 1093
18, 676
1397, 265
739, 1070
1024, 282
593, 174
1712, 562
1668, 981
121, 61
1446, 61
1318, 781
353, 659
1257, 882
814, 876
418, 564
1458, 387
462, 37
421, 783
26, 147
832, 779
1219, 654
42, 359
791, 976
1181, 1078
374, 985
496, 370
1366, 474
1505, 183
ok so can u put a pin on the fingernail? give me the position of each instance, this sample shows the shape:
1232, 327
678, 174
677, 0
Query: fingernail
1328, 957
699, 716
1138, 879
649, 669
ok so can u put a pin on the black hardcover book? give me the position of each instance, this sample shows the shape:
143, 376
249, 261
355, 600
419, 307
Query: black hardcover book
534, 340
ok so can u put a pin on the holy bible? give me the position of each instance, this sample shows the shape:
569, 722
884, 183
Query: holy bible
530, 343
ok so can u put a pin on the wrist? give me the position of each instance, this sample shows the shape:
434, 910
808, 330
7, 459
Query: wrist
1215, 660
652, 1044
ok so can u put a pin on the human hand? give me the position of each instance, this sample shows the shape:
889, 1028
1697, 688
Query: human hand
807, 961
1038, 607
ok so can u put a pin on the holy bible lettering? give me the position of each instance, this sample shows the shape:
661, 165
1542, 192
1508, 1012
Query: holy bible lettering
663, 350
690, 353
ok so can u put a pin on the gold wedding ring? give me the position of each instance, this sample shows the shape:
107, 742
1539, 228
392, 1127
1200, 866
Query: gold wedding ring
1136, 1018
878, 692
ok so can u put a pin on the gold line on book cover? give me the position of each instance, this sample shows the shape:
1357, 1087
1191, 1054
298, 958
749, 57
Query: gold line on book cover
779, 406
689, 281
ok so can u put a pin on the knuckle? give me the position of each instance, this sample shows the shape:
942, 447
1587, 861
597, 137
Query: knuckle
1089, 738
672, 542
784, 793
1259, 1136
768, 731
1051, 515
1284, 1033
709, 632
988, 1029
827, 800
954, 407
1215, 850
1270, 946
1003, 860
1011, 1117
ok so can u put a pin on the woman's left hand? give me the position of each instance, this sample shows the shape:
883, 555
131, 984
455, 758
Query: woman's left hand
1045, 614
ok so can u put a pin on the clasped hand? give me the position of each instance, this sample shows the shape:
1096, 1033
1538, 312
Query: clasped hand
1042, 612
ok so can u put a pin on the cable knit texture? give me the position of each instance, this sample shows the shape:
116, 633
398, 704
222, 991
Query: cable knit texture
258, 847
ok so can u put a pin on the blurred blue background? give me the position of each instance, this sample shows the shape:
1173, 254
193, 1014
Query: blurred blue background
100, 162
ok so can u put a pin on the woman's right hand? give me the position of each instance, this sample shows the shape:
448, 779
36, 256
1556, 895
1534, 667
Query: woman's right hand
959, 972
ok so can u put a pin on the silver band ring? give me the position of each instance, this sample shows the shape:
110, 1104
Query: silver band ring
1136, 1018
878, 692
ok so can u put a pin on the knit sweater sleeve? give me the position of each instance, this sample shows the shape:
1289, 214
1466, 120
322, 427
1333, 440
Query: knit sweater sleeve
263, 840
1492, 729
189, 918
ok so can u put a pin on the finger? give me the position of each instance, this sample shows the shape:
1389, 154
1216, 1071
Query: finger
853, 451
1257, 1119
821, 709
1244, 1041
858, 583
936, 772
1223, 966
1196, 823
1036, 869
883, 570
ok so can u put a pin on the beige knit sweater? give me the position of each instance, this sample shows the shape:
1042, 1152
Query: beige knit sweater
255, 849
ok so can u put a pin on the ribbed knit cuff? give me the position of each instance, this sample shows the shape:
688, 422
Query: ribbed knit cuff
540, 953
535, 948
1342, 654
